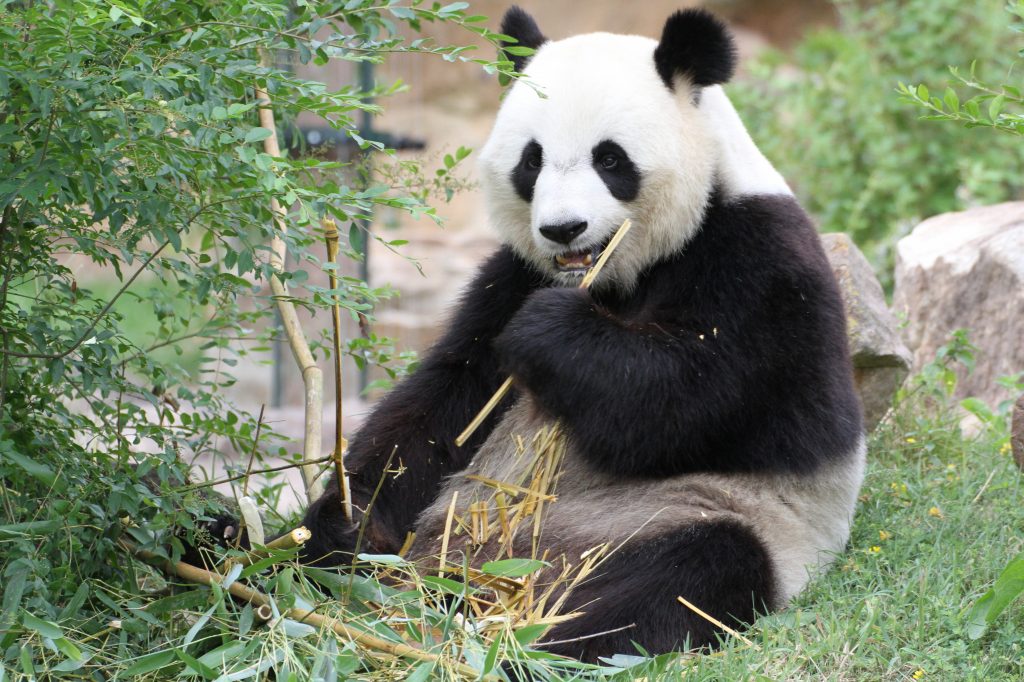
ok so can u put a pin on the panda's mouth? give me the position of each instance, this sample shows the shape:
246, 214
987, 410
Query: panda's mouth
578, 261
574, 260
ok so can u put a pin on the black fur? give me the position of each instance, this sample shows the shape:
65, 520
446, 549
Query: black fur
721, 568
519, 25
729, 356
420, 418
622, 180
526, 172
696, 45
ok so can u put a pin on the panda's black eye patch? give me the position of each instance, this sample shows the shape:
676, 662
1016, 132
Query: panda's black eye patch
524, 175
618, 172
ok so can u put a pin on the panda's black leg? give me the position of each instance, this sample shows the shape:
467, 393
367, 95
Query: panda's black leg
720, 567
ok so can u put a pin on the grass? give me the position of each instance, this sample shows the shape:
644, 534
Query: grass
938, 520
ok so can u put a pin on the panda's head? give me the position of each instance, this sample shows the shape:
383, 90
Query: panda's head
616, 133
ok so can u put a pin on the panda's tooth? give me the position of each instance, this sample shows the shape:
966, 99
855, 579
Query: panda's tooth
588, 259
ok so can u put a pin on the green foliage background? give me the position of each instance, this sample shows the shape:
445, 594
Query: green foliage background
860, 160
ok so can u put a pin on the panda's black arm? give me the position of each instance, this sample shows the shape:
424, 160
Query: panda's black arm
415, 424
668, 395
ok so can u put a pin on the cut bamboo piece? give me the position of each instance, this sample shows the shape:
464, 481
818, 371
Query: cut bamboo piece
294, 538
312, 377
259, 600
340, 444
503, 390
714, 621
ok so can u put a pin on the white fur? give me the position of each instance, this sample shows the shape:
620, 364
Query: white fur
598, 87
602, 86
742, 168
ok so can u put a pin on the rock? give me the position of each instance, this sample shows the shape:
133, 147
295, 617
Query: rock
966, 271
1017, 432
880, 359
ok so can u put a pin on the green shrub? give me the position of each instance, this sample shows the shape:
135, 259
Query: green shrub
861, 161
129, 140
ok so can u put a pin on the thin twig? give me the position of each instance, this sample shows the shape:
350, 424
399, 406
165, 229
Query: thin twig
269, 470
331, 235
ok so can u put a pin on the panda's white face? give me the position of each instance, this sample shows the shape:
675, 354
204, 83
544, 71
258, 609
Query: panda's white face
608, 141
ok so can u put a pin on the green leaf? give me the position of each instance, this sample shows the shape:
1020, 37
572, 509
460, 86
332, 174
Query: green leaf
41, 472
195, 664
421, 673
453, 7
75, 603
148, 663
530, 633
1008, 587
951, 100
519, 50
995, 107
43, 627
198, 625
513, 568
257, 135
492, 655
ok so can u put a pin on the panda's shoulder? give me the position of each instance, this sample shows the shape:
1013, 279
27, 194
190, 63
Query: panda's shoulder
770, 233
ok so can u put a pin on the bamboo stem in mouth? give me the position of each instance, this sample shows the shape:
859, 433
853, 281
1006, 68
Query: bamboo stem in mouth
503, 390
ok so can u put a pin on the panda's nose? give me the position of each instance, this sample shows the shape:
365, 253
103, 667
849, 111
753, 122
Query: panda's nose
563, 233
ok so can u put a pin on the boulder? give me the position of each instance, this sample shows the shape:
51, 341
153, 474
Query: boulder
880, 359
1017, 432
965, 270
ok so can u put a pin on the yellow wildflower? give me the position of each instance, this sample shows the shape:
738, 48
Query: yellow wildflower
936, 512
1005, 448
884, 535
911, 439
918, 674
875, 549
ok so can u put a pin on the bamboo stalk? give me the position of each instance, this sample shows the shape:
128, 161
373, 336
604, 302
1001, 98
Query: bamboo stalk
293, 538
714, 621
312, 377
259, 600
503, 390
344, 492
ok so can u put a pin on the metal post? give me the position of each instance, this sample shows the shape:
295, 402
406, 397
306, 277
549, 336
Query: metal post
366, 132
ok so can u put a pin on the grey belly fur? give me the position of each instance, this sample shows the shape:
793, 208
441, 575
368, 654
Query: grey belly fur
802, 521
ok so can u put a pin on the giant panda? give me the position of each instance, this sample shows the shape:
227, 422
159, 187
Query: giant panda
703, 382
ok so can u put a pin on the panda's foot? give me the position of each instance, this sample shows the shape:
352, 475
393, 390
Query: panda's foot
721, 567
212, 537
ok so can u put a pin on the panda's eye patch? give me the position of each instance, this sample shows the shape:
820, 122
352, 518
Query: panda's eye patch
524, 175
618, 172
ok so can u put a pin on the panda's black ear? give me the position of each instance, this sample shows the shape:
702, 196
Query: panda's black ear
696, 45
519, 25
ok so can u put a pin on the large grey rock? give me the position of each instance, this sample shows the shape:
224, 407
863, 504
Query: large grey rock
966, 270
880, 359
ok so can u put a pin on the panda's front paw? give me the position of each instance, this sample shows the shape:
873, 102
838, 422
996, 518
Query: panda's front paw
533, 344
211, 538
